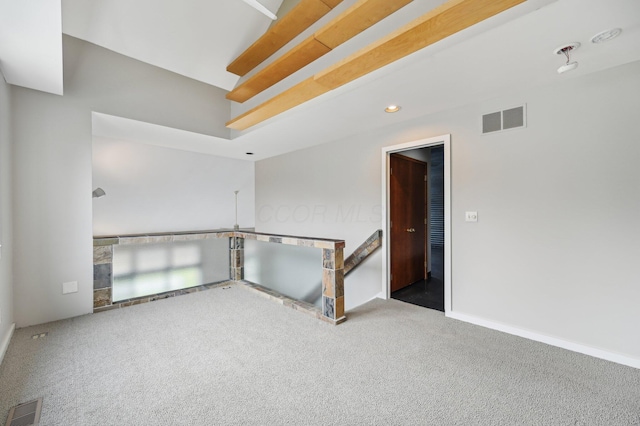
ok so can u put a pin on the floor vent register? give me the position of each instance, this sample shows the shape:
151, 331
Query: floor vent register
25, 414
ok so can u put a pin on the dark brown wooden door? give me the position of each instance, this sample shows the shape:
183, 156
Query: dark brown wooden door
407, 214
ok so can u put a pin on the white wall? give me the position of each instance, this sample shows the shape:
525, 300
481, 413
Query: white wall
555, 249
155, 189
6, 267
328, 191
52, 166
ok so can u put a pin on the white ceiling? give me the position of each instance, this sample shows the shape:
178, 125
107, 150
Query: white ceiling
194, 38
509, 52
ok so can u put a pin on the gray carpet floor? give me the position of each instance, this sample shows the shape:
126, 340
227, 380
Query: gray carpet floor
230, 356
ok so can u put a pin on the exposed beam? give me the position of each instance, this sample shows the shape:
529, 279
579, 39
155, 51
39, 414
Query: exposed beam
437, 24
441, 22
295, 59
332, 3
362, 15
301, 17
298, 94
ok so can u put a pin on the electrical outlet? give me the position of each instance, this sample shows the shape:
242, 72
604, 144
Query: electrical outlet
471, 216
70, 287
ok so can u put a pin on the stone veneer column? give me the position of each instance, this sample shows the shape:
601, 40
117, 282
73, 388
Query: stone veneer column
236, 258
102, 274
333, 285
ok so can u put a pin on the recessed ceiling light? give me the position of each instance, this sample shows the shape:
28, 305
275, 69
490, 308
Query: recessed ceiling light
605, 36
392, 108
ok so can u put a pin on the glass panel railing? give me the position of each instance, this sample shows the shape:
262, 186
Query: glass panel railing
293, 271
146, 269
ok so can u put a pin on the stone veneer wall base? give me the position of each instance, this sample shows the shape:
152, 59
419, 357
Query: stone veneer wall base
160, 296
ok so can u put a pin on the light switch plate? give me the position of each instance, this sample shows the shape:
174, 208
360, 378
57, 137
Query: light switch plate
70, 287
471, 216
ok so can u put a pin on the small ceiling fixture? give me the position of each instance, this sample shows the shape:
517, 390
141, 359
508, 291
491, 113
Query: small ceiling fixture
392, 108
98, 193
261, 8
605, 36
566, 51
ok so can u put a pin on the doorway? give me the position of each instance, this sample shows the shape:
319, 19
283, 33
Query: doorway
416, 205
408, 220
417, 195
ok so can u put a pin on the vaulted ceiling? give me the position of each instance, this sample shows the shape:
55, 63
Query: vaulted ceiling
194, 38
199, 39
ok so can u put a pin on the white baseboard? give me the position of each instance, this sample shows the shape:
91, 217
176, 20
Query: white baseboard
5, 343
553, 341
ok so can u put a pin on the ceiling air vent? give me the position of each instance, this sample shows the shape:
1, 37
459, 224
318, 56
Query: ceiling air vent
511, 118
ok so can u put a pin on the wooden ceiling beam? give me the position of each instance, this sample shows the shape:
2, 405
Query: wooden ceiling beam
362, 15
348, 24
441, 22
298, 57
301, 17
298, 94
332, 3
437, 24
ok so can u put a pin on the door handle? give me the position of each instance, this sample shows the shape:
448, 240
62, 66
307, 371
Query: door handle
411, 230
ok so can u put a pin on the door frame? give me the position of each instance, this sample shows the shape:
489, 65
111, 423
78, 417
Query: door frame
445, 141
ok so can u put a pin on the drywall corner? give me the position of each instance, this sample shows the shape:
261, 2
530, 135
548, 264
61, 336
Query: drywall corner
4, 345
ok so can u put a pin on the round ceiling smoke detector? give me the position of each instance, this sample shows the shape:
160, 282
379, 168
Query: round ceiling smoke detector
605, 36
566, 51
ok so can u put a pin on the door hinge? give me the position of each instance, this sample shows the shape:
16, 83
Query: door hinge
391, 171
425, 220
390, 277
425, 178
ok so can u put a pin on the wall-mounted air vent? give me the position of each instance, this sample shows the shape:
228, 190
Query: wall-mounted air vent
511, 118
26, 414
